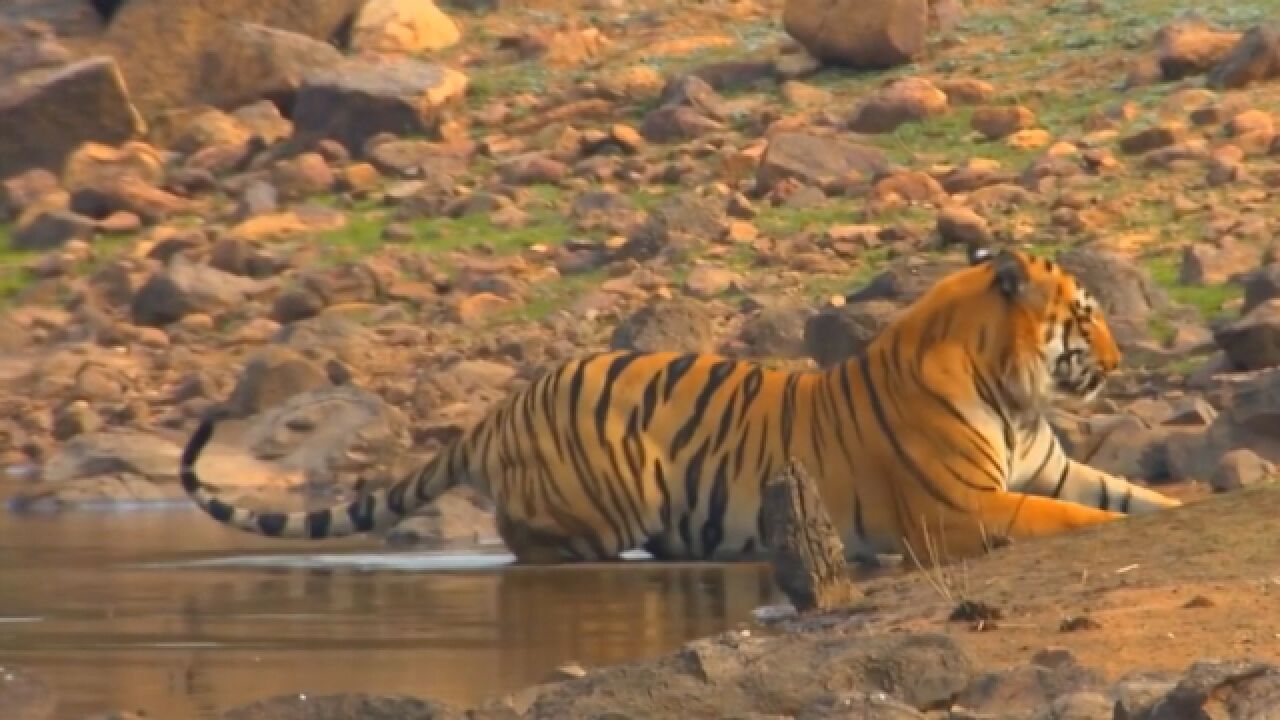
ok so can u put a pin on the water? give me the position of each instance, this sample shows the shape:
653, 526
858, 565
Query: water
166, 612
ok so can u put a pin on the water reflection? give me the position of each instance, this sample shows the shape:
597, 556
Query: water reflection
170, 614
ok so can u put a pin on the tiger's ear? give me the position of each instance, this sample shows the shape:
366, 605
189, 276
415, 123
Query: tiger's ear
1011, 276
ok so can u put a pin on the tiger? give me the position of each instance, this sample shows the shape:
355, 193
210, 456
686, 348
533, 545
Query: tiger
934, 436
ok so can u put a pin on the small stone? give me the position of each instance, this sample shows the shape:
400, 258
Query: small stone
708, 281
359, 178
475, 310
1251, 121
1153, 138
962, 226
1000, 121
627, 137
1240, 468
76, 418
804, 94
967, 91
51, 230
910, 99
1030, 139
302, 176
741, 231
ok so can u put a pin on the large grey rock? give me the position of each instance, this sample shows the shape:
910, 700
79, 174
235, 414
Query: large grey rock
1126, 292
346, 706
816, 159
253, 62
859, 33
186, 287
47, 114
161, 45
1253, 341
676, 325
728, 675
362, 97
1254, 58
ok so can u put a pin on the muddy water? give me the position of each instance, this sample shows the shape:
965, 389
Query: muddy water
163, 611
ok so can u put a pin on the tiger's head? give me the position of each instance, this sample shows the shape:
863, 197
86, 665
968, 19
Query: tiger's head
1058, 342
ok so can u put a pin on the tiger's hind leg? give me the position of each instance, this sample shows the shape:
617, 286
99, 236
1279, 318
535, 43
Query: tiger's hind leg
533, 546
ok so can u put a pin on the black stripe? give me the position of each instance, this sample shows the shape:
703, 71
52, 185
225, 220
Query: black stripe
716, 377
220, 511
978, 440
751, 385
1048, 455
676, 370
908, 462
787, 426
603, 404
1128, 498
660, 479
726, 418
360, 512
649, 399
1062, 481
318, 523
847, 391
272, 524
1102, 490
200, 438
577, 454
713, 528
395, 498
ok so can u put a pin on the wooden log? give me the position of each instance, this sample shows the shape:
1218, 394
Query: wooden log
804, 548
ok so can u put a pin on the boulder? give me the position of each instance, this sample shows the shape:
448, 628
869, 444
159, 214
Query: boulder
1191, 47
1125, 291
679, 324
816, 159
1254, 58
730, 675
363, 97
859, 33
1260, 286
902, 101
674, 227
162, 45
836, 334
1253, 341
253, 62
185, 287
51, 229
46, 115
402, 26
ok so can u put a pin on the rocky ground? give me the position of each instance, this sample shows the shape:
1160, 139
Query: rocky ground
359, 223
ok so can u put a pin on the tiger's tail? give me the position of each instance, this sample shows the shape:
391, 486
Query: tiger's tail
375, 511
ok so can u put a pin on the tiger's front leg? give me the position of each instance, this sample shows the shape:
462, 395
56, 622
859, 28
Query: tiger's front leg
1048, 471
992, 519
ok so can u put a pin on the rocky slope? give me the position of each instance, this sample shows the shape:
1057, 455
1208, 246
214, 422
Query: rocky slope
359, 223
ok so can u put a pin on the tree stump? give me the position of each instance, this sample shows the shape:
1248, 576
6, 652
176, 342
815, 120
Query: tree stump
805, 551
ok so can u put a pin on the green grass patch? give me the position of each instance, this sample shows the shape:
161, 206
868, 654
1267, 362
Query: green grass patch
13, 266
780, 222
1208, 300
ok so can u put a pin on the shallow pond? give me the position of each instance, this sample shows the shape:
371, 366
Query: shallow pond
162, 610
